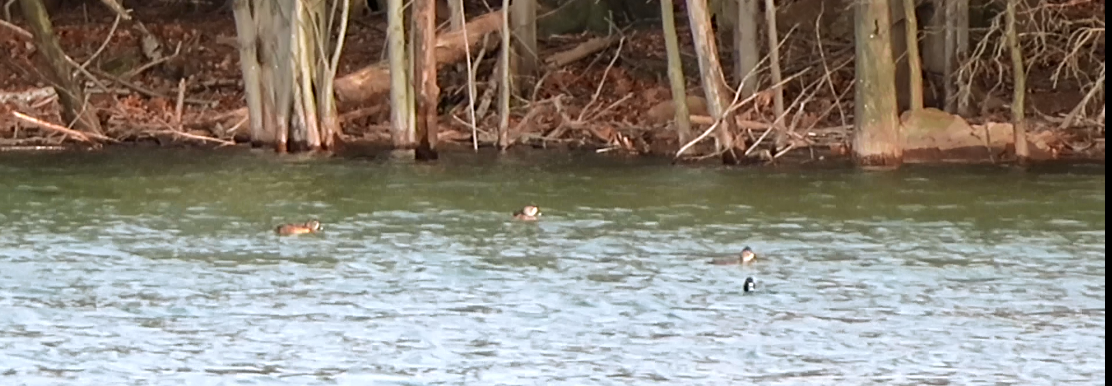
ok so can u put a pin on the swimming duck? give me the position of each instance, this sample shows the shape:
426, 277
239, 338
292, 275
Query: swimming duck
745, 257
311, 226
528, 213
750, 285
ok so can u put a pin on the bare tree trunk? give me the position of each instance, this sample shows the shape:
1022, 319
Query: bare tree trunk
456, 18
914, 63
675, 72
264, 29
71, 97
899, 54
747, 53
411, 96
524, 15
711, 71
330, 121
774, 61
399, 74
956, 48
305, 56
273, 18
876, 139
1019, 85
506, 83
248, 40
425, 67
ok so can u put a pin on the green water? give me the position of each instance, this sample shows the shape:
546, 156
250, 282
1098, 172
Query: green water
161, 267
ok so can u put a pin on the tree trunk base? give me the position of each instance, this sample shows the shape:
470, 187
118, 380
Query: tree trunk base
425, 153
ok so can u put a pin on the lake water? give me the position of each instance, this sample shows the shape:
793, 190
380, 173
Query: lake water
162, 268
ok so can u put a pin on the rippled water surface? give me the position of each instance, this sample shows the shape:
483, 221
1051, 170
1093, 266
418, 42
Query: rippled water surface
139, 268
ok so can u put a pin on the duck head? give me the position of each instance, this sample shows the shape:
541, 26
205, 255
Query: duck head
313, 225
529, 212
747, 255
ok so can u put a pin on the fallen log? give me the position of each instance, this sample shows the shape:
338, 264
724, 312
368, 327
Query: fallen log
580, 51
374, 80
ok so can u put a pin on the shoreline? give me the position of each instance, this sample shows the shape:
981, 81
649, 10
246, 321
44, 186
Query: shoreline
802, 158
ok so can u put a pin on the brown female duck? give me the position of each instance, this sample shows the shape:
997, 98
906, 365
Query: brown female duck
745, 257
528, 213
311, 226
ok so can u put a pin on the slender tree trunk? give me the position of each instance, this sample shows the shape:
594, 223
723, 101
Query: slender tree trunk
305, 56
411, 96
747, 53
456, 17
914, 63
713, 82
249, 63
1019, 79
774, 60
876, 139
399, 74
956, 48
524, 17
675, 72
330, 120
774, 71
267, 63
425, 66
506, 81
71, 97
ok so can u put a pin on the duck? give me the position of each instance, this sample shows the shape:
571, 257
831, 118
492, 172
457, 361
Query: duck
311, 226
747, 256
750, 285
528, 213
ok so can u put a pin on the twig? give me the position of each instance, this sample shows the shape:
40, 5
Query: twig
601, 82
1099, 84
222, 142
470, 79
145, 67
727, 113
758, 141
117, 8
827, 72
533, 111
103, 44
784, 151
18, 31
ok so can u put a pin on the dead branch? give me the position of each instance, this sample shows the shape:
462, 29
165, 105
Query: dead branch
580, 51
117, 8
729, 111
1096, 86
18, 31
27, 96
111, 31
83, 137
